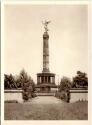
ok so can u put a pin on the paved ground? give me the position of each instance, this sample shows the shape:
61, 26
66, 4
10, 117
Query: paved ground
45, 100
46, 108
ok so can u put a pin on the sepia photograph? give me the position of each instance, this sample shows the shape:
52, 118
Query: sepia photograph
45, 62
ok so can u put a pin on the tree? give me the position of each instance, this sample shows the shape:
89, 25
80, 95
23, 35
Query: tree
9, 82
80, 80
63, 92
6, 82
27, 84
65, 84
18, 81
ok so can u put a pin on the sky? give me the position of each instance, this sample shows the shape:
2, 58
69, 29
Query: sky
23, 39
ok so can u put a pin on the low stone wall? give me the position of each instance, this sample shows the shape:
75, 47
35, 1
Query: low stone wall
75, 95
78, 95
10, 95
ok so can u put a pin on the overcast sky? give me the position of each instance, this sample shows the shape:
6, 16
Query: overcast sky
68, 42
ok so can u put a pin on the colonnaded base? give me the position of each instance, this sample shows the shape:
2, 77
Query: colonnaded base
46, 82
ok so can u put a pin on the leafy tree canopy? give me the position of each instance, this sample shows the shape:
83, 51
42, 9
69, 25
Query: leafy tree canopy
9, 82
80, 80
65, 84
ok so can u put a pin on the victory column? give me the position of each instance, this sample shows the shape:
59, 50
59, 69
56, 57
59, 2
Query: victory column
46, 80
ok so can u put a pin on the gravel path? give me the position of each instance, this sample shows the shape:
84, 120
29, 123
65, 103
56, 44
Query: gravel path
45, 100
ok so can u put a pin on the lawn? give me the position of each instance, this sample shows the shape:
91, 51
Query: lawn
55, 111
